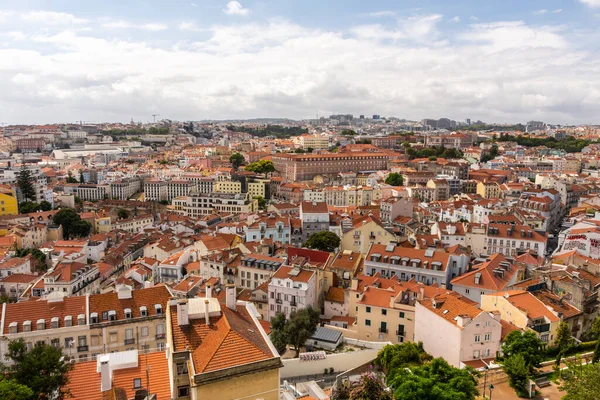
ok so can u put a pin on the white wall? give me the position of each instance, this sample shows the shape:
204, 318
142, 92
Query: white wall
339, 362
440, 338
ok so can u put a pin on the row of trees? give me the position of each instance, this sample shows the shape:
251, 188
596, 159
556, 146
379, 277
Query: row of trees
570, 144
261, 167
278, 131
434, 151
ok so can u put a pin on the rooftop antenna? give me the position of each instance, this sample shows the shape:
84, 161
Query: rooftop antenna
154, 116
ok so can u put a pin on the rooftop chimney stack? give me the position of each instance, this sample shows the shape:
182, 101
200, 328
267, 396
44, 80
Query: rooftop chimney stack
105, 379
183, 317
206, 316
208, 291
230, 297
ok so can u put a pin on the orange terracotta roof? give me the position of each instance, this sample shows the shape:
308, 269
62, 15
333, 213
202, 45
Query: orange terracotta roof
527, 302
335, 294
35, 310
452, 305
488, 278
142, 297
84, 381
284, 273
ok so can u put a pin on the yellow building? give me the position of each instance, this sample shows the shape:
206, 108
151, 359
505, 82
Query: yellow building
227, 187
488, 190
256, 189
8, 201
102, 223
220, 351
525, 311
366, 230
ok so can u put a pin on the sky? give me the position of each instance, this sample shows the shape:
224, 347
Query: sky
63, 61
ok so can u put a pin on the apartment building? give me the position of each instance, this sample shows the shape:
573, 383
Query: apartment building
291, 288
125, 188
496, 274
134, 224
364, 232
545, 203
256, 269
314, 217
525, 311
299, 167
227, 187
218, 350
453, 328
198, 204
155, 190
488, 189
72, 278
92, 192
393, 207
8, 201
428, 266
270, 227
510, 240
128, 320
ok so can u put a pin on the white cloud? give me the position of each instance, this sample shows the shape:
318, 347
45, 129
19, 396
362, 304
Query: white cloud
235, 8
377, 14
496, 72
540, 12
51, 18
121, 24
591, 3
188, 26
557, 11
455, 19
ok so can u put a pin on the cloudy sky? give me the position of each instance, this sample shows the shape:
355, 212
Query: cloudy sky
113, 60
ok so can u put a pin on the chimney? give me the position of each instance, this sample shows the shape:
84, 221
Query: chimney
208, 291
206, 316
105, 379
230, 296
462, 320
183, 317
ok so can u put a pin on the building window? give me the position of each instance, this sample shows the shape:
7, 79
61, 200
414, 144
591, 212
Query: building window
476, 354
401, 314
137, 383
182, 368
368, 309
145, 331
367, 322
477, 338
183, 391
383, 311
487, 337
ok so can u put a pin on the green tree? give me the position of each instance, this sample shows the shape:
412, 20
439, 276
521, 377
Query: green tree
236, 160
78, 201
563, 340
27, 207
261, 167
348, 132
278, 335
394, 179
527, 344
436, 380
25, 184
70, 178
123, 213
73, 225
43, 369
581, 382
262, 203
518, 371
324, 241
45, 205
402, 355
11, 390
301, 325
370, 387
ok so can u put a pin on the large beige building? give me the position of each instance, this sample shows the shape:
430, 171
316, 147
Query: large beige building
220, 351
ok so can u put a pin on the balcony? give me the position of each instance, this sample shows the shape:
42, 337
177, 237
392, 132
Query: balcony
129, 341
278, 301
541, 328
160, 336
372, 237
293, 303
400, 332
82, 348
383, 330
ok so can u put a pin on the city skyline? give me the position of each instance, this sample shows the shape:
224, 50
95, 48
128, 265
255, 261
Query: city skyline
219, 60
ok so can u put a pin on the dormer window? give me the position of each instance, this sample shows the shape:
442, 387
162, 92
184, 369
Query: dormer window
13, 327
112, 315
158, 309
27, 326
54, 323
40, 325
143, 311
128, 314
68, 321
81, 319
94, 318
